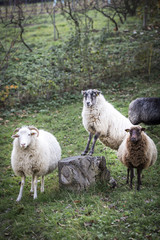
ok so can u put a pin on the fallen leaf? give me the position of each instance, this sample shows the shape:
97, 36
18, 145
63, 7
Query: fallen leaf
124, 218
6, 234
61, 225
77, 201
89, 224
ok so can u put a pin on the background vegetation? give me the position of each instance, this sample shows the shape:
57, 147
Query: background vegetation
41, 79
48, 51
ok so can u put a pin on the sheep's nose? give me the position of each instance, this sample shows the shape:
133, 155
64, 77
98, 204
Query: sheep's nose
133, 139
23, 145
88, 104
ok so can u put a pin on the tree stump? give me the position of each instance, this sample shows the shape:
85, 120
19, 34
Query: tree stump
79, 172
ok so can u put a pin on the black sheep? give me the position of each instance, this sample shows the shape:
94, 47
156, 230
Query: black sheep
145, 110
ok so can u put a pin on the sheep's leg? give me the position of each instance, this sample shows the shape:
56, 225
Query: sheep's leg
128, 170
35, 186
88, 143
96, 136
21, 188
42, 184
127, 176
32, 185
131, 177
139, 171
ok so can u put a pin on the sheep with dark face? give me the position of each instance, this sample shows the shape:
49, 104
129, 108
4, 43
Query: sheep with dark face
137, 151
35, 153
102, 121
145, 110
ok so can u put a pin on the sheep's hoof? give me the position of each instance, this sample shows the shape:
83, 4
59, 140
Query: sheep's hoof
83, 153
90, 153
18, 199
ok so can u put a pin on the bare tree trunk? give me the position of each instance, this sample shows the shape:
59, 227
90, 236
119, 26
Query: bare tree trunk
79, 172
52, 13
145, 15
54, 24
4, 62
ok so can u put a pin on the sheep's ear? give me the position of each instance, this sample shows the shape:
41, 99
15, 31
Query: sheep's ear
83, 92
143, 129
127, 130
15, 136
98, 92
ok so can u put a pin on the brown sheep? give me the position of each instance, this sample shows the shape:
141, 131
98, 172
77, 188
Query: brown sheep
137, 151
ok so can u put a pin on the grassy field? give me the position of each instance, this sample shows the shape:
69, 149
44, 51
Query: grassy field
98, 213
121, 64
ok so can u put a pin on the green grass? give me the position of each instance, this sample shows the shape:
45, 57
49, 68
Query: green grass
98, 213
118, 64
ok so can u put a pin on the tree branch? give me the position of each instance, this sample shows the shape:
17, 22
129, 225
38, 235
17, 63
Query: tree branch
20, 19
108, 16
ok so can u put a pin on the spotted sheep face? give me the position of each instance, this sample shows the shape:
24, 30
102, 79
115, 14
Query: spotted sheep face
90, 97
24, 136
135, 133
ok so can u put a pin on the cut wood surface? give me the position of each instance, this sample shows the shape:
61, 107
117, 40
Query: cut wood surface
79, 172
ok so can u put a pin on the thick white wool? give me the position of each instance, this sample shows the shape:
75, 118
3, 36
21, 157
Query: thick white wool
103, 118
40, 157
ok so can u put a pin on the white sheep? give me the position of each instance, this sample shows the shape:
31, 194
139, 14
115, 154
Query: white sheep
137, 151
35, 153
102, 120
